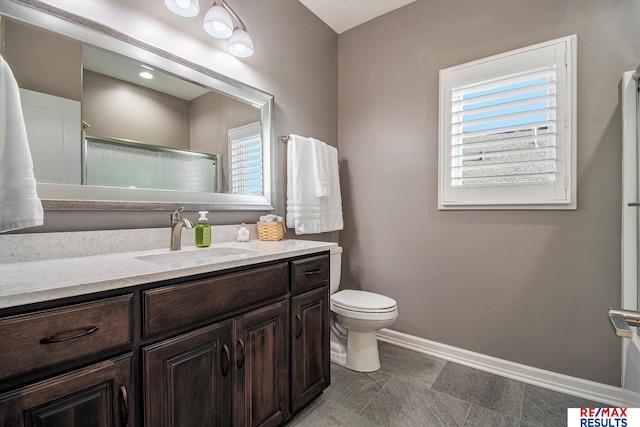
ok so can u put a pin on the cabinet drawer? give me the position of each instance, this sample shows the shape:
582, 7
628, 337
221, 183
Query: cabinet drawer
178, 306
45, 338
309, 273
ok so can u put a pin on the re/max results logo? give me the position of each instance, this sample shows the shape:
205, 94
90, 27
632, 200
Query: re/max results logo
603, 417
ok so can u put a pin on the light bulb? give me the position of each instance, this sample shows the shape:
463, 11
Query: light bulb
217, 22
186, 8
240, 44
219, 26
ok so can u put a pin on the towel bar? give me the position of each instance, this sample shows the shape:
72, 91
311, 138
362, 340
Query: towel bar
286, 139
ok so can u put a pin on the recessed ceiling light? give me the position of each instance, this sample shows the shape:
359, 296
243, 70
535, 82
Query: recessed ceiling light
145, 75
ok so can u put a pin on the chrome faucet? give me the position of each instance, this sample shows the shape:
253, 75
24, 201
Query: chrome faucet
176, 229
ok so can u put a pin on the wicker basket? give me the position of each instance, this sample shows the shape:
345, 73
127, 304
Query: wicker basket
271, 230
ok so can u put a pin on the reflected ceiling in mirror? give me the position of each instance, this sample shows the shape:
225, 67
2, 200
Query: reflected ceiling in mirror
208, 106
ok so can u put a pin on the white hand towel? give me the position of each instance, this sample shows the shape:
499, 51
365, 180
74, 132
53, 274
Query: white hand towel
303, 205
20, 206
331, 206
320, 168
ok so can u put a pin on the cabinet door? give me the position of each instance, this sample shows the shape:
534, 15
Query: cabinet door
100, 395
187, 379
261, 385
310, 365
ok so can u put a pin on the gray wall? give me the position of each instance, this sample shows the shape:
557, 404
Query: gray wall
210, 136
532, 287
118, 109
59, 56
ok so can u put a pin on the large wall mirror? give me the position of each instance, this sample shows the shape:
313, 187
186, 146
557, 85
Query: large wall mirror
103, 136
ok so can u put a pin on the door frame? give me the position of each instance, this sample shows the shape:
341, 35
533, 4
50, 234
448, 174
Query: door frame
629, 298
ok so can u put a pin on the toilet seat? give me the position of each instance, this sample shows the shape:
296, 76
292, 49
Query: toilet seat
362, 302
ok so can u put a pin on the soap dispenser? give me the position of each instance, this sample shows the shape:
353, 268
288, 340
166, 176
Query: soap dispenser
243, 234
203, 231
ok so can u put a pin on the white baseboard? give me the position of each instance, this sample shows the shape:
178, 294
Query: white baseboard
603, 393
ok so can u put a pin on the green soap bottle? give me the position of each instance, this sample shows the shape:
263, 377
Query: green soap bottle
203, 231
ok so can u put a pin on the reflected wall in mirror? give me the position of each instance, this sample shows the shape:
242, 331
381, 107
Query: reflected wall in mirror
68, 81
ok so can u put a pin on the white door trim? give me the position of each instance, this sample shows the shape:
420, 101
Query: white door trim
630, 375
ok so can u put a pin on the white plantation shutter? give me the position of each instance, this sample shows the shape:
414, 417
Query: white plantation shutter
506, 137
245, 160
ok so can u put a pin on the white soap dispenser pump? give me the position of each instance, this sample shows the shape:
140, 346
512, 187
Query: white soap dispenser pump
243, 234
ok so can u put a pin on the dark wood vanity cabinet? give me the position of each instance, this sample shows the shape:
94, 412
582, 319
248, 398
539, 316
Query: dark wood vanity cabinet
99, 395
245, 348
233, 370
187, 379
310, 336
261, 367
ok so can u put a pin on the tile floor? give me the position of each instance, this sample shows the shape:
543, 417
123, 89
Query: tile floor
414, 389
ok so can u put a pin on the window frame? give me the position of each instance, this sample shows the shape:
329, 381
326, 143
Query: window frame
560, 195
251, 131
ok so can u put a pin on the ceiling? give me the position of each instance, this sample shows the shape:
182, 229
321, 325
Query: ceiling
342, 15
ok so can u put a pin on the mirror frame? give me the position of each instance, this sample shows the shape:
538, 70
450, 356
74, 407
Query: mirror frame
82, 197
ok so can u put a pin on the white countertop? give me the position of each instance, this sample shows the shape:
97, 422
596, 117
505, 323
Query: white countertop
36, 281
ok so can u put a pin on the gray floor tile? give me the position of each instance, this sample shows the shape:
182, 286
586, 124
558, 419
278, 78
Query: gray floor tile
406, 404
413, 389
353, 390
546, 407
483, 417
326, 413
481, 388
409, 365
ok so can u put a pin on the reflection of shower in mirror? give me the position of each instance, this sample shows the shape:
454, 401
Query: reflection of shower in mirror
118, 163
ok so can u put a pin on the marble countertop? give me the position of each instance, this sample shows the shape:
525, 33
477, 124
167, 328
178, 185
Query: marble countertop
37, 281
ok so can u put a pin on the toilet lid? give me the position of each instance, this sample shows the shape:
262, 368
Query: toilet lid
362, 301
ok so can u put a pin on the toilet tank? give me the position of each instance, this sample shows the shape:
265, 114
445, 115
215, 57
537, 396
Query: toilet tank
335, 268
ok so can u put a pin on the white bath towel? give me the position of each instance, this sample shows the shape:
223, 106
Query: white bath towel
314, 203
331, 206
320, 168
20, 206
303, 205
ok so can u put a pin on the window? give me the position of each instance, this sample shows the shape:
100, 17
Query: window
507, 138
245, 160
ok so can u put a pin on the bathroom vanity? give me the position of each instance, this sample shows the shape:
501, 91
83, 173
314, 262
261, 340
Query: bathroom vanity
239, 338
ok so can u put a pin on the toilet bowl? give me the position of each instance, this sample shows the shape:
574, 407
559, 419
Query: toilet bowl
355, 318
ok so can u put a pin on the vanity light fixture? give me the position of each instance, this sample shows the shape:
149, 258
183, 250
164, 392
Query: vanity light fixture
186, 8
218, 23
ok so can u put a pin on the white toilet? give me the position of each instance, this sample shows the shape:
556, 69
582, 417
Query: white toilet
355, 318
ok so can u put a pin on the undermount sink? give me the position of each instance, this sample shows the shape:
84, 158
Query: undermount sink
198, 256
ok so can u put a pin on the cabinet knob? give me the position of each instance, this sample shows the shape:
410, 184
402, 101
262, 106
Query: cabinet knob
124, 415
298, 326
312, 272
225, 361
240, 353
